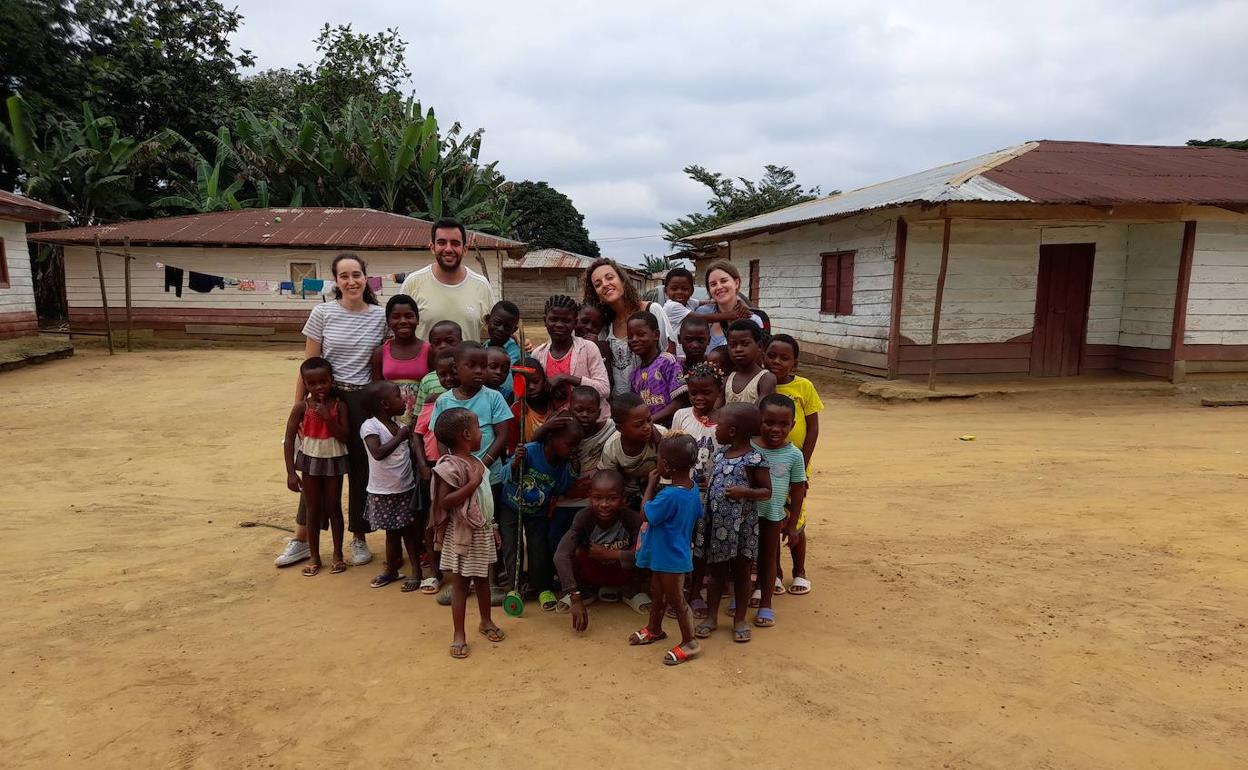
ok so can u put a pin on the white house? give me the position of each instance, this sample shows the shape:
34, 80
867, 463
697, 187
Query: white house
254, 252
17, 293
1049, 258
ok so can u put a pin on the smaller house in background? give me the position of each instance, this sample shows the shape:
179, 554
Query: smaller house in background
17, 291
533, 278
253, 273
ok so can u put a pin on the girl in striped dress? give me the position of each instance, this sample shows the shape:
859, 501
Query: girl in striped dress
319, 421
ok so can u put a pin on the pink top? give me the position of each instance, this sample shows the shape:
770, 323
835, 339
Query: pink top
404, 368
585, 361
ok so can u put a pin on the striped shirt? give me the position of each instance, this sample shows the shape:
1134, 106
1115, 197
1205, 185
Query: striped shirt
347, 339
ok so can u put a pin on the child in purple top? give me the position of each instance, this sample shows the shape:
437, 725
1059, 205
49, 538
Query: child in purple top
658, 380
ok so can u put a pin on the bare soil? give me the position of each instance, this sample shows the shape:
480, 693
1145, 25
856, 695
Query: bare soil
1069, 589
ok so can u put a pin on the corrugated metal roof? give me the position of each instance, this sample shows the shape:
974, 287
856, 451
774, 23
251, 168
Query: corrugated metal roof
23, 209
323, 228
933, 185
551, 259
1087, 172
1036, 172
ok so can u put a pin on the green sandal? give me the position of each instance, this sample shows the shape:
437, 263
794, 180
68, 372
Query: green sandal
548, 600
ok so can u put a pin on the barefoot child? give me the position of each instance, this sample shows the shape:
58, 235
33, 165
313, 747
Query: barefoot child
788, 481
319, 422
633, 450
391, 482
540, 472
705, 384
404, 359
739, 480
464, 508
749, 381
782, 357
658, 378
670, 514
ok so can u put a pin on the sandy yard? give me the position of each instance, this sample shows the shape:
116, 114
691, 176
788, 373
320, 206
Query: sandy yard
1070, 590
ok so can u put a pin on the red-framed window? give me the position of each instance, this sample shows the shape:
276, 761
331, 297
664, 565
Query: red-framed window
754, 282
836, 293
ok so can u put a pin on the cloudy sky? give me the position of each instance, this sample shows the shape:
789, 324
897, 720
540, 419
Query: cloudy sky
608, 101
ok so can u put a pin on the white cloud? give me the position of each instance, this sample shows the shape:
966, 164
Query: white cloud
608, 101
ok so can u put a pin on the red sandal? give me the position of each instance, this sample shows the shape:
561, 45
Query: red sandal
646, 636
678, 655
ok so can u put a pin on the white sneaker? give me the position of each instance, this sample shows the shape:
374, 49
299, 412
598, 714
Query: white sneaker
360, 554
296, 551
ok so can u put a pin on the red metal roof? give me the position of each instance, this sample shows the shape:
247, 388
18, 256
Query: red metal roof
23, 209
319, 228
1089, 172
551, 259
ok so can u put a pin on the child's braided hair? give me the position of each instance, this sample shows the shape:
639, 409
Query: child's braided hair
706, 369
561, 301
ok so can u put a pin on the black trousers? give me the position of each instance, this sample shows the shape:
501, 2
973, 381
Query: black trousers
538, 551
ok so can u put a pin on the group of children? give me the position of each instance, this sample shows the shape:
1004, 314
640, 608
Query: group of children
695, 476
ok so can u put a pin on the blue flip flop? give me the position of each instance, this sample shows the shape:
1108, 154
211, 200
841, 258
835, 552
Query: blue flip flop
766, 617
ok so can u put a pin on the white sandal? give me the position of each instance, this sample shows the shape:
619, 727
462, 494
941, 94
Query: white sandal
799, 587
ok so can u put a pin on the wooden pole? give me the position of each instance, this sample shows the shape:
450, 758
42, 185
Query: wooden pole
894, 317
129, 306
940, 298
1178, 363
108, 324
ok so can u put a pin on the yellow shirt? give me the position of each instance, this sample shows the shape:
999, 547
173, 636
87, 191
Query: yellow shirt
465, 303
805, 401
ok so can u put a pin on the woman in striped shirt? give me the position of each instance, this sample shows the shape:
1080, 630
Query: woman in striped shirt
345, 332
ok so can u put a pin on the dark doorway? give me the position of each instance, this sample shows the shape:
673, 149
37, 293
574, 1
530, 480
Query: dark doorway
1063, 292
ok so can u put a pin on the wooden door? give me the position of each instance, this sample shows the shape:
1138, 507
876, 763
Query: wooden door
1063, 293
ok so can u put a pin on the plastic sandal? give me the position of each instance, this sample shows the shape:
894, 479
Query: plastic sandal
678, 655
609, 595
640, 602
429, 585
565, 605
799, 587
411, 584
548, 600
385, 579
703, 630
766, 617
700, 610
741, 635
645, 636
779, 589
755, 598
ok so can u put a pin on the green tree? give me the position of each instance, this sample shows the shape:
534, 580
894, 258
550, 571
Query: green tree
1231, 144
547, 219
731, 201
655, 265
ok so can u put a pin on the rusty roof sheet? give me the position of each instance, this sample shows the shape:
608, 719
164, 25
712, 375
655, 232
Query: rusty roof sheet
312, 228
551, 259
1088, 172
1036, 172
23, 209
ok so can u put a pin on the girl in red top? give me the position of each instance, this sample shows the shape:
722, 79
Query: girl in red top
319, 422
404, 358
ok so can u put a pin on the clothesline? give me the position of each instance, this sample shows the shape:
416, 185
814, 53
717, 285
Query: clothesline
206, 282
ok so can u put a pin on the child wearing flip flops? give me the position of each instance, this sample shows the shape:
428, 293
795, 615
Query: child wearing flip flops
781, 359
739, 481
391, 481
788, 481
670, 514
463, 508
706, 384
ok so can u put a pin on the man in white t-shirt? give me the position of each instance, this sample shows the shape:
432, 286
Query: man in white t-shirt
446, 290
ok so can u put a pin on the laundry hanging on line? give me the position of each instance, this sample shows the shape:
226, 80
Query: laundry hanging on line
173, 279
313, 285
204, 283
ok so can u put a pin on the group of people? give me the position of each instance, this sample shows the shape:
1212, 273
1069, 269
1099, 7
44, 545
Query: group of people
655, 454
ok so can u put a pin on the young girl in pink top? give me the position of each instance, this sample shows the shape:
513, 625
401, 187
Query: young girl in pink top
567, 359
404, 359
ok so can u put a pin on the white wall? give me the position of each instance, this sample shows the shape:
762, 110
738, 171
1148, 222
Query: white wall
20, 296
83, 289
1153, 252
1217, 300
790, 274
990, 286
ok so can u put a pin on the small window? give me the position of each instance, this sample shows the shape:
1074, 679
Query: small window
301, 270
754, 282
571, 283
836, 295
4, 267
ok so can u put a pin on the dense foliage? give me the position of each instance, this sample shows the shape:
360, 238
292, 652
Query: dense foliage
547, 219
731, 201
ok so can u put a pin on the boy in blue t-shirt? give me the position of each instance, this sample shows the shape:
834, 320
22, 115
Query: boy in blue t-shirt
501, 326
541, 471
666, 544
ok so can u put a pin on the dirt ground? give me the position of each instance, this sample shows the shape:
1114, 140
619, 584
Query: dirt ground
1069, 590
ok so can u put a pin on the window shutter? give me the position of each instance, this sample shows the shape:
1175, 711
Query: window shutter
827, 290
845, 285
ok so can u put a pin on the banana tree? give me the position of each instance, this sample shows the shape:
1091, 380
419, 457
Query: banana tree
207, 193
